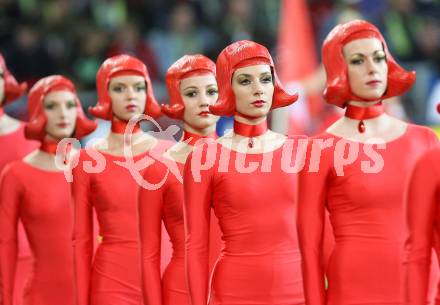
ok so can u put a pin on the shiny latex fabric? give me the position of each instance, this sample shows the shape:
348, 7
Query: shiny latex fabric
40, 199
337, 89
423, 231
260, 263
116, 65
163, 204
366, 212
186, 66
166, 204
14, 147
35, 129
238, 55
113, 276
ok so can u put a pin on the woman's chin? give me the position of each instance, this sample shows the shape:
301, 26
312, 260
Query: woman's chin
255, 113
373, 95
58, 136
128, 116
201, 127
202, 122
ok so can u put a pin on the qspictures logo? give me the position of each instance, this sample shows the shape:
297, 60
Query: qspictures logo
297, 154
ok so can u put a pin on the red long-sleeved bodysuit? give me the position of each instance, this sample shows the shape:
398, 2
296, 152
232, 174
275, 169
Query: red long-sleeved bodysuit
166, 204
422, 214
366, 212
40, 199
114, 277
14, 147
260, 263
154, 205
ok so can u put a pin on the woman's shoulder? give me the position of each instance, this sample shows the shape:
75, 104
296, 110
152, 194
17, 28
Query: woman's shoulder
161, 166
415, 128
423, 133
16, 167
431, 156
205, 156
17, 171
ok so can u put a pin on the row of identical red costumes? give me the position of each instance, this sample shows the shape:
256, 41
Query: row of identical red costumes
423, 231
14, 147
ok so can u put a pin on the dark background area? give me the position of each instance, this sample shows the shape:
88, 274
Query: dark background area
73, 37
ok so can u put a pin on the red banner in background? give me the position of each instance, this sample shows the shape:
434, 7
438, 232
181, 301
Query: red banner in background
296, 46
296, 60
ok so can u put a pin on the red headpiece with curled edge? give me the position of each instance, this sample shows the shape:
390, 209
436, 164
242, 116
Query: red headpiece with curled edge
35, 129
338, 91
238, 55
186, 66
121, 65
12, 89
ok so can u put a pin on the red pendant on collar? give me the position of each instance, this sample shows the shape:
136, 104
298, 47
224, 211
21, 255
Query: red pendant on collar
50, 147
250, 131
192, 138
119, 127
363, 113
2, 112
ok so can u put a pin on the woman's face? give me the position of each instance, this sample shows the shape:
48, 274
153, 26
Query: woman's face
2, 86
61, 112
198, 92
128, 94
253, 89
367, 68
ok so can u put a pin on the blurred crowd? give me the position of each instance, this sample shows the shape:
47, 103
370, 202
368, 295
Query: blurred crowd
73, 37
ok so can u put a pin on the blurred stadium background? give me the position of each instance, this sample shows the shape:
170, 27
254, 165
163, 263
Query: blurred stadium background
73, 37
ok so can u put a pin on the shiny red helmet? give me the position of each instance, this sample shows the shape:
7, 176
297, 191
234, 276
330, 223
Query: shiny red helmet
12, 89
338, 91
238, 55
186, 66
112, 67
35, 128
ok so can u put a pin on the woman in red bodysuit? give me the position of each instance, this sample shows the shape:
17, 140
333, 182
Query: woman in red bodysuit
357, 171
242, 178
35, 191
423, 232
12, 140
192, 87
104, 180
14, 147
